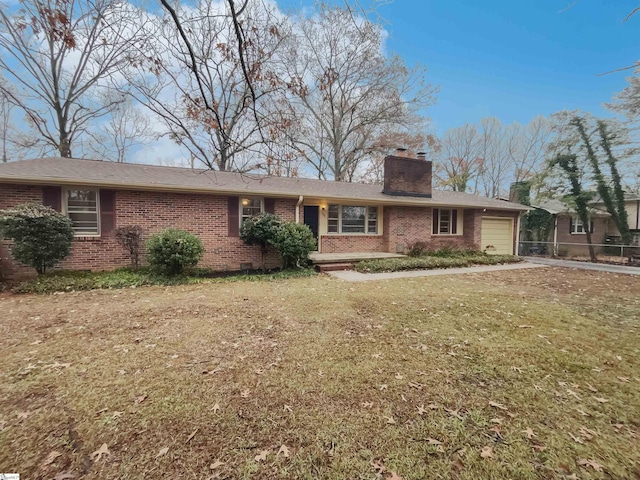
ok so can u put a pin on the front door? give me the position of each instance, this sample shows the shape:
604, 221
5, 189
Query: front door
311, 218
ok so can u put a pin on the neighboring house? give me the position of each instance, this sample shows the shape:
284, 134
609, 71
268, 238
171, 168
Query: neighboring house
345, 217
632, 206
568, 236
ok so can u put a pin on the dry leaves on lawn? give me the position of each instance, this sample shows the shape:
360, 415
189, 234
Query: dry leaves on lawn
284, 451
51, 458
585, 462
394, 476
162, 452
498, 405
529, 433
64, 476
486, 452
23, 415
193, 434
262, 456
103, 450
216, 464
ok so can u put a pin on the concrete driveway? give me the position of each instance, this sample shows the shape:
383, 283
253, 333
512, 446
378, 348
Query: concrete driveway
600, 267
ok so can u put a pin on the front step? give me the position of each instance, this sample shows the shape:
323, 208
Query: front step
333, 267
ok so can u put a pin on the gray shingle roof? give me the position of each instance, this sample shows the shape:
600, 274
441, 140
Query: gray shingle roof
71, 171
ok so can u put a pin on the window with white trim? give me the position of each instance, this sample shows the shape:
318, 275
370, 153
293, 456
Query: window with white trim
250, 206
445, 221
352, 219
83, 208
577, 227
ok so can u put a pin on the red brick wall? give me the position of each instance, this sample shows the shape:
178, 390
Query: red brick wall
352, 243
404, 226
203, 215
600, 232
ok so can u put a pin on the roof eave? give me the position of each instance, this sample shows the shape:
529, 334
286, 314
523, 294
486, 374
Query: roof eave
391, 200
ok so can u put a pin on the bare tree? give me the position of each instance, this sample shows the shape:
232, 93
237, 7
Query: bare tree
126, 129
387, 144
494, 154
213, 100
460, 160
55, 54
488, 157
344, 93
5, 124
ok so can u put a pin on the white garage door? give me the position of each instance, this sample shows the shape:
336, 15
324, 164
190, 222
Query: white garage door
497, 236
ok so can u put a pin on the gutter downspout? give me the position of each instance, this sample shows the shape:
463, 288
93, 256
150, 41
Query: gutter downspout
518, 235
555, 235
638, 215
300, 200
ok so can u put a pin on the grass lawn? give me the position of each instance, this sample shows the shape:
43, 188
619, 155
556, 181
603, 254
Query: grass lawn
515, 374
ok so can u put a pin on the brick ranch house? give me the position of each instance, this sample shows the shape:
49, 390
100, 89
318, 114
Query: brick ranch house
345, 217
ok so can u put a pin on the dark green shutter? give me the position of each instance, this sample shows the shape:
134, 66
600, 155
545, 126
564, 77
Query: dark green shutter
233, 216
436, 219
270, 205
107, 211
52, 197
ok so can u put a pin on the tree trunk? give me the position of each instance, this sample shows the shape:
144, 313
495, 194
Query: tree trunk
592, 251
65, 147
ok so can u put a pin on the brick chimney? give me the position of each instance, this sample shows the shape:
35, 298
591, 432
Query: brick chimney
407, 176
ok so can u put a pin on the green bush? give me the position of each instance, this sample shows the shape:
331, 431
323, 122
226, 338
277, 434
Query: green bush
260, 230
451, 252
172, 251
293, 242
431, 262
42, 237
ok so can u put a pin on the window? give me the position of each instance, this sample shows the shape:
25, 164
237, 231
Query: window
576, 226
82, 208
445, 221
348, 219
250, 206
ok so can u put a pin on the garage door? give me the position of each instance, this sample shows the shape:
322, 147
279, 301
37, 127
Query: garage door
497, 235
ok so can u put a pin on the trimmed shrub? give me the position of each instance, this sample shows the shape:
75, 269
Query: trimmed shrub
260, 230
42, 237
172, 251
451, 252
293, 242
130, 238
427, 262
417, 249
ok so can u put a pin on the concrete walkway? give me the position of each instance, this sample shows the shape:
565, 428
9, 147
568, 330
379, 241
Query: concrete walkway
353, 276
600, 267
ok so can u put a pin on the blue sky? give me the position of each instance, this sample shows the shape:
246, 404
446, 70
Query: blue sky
513, 59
